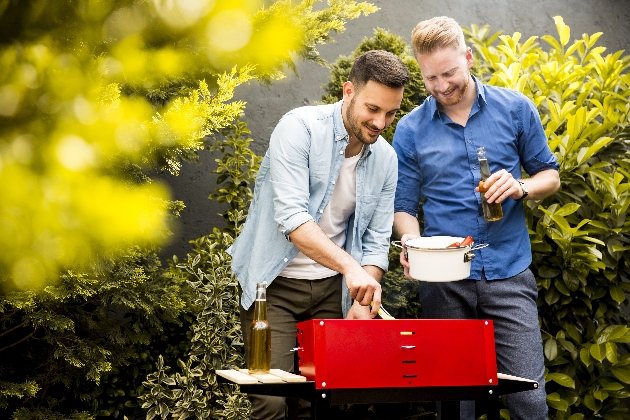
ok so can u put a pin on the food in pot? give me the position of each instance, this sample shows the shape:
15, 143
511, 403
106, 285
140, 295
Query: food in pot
468, 240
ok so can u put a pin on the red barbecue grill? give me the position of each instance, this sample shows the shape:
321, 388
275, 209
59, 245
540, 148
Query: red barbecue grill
389, 361
396, 353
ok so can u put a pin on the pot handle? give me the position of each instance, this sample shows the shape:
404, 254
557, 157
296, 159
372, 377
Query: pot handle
476, 247
398, 244
469, 255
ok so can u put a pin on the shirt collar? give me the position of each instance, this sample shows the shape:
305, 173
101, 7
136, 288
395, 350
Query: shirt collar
481, 94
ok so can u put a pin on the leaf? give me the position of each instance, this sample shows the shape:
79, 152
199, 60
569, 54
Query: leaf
568, 209
612, 333
592, 403
585, 356
563, 30
611, 352
617, 294
555, 401
561, 378
622, 373
598, 351
548, 272
551, 348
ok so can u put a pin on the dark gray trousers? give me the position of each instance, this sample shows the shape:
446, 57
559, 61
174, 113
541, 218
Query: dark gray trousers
290, 301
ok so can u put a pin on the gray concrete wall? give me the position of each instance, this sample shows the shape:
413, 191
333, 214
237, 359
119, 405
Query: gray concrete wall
267, 104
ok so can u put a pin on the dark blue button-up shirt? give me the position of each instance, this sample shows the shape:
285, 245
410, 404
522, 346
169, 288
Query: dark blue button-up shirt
438, 166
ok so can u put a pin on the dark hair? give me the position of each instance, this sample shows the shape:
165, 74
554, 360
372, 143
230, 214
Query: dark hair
379, 66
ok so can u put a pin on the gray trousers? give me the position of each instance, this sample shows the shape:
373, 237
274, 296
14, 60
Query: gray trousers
290, 301
511, 304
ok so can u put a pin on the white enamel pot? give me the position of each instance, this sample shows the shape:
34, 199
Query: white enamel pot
431, 260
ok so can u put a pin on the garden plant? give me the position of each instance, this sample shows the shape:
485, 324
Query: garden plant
96, 97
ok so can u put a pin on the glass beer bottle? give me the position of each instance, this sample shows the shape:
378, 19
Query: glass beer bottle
259, 338
491, 211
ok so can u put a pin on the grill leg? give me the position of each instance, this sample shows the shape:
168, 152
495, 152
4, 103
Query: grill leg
450, 410
320, 407
490, 406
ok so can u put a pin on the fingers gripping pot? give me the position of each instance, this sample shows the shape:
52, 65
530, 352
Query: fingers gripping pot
432, 259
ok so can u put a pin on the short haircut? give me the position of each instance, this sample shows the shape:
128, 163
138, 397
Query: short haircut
379, 66
437, 33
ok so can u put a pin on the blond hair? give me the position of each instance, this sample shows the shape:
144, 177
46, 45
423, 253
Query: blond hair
437, 33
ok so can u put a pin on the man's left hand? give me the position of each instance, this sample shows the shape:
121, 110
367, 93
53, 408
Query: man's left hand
502, 185
358, 311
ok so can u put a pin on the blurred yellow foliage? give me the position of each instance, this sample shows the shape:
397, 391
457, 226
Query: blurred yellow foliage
96, 94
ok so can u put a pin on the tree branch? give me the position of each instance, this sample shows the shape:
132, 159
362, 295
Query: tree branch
19, 341
12, 329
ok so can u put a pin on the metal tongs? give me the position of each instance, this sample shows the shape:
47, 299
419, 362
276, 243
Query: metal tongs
382, 312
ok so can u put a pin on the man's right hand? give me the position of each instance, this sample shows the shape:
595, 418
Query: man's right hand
364, 289
404, 261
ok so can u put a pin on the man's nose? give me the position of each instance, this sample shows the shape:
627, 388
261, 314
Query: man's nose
379, 122
444, 85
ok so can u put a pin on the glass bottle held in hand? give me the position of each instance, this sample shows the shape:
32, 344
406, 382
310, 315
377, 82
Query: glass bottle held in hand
259, 338
491, 211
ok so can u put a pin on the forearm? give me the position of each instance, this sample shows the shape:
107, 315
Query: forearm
542, 185
404, 223
313, 242
375, 272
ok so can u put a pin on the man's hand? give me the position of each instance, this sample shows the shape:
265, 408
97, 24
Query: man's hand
404, 261
357, 311
364, 289
501, 185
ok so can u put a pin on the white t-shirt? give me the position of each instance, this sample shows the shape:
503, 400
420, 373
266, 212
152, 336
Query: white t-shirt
333, 222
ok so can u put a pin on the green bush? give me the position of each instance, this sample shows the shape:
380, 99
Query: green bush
83, 344
137, 86
580, 235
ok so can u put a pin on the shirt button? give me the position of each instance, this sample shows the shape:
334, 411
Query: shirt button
341, 152
321, 211
286, 259
469, 141
333, 182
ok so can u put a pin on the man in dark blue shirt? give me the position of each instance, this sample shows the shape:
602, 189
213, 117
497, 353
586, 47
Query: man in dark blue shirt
437, 146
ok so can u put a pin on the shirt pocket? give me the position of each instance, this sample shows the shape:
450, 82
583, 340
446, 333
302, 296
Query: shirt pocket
367, 205
319, 168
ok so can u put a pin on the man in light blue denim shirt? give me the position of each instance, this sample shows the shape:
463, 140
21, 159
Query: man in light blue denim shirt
437, 153
319, 226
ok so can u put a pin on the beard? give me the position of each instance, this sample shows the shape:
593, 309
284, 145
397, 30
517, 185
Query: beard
355, 125
455, 99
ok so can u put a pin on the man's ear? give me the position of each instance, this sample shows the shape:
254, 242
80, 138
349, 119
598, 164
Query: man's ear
348, 89
470, 58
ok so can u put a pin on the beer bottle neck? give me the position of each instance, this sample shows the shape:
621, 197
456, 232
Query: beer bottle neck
260, 307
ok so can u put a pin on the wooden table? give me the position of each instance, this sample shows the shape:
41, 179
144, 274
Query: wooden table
487, 397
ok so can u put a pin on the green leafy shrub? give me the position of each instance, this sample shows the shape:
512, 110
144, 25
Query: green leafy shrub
580, 235
83, 344
217, 338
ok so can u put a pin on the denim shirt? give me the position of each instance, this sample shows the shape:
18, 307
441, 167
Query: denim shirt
294, 184
438, 167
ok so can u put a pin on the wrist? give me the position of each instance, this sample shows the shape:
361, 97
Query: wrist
524, 190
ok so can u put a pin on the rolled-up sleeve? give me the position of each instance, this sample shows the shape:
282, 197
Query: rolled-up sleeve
408, 189
289, 173
532, 143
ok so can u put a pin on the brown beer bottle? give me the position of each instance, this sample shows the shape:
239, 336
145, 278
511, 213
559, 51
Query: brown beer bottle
491, 211
259, 339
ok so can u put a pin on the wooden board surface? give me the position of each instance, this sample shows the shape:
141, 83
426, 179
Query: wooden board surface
243, 377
